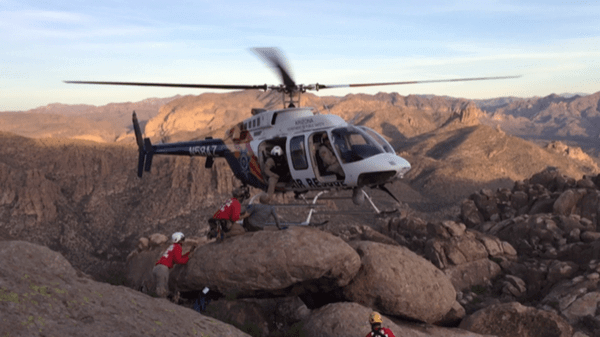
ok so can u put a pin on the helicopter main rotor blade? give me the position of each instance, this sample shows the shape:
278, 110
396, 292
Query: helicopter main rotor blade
274, 58
178, 85
323, 86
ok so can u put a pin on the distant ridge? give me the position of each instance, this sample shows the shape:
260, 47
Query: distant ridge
107, 123
573, 118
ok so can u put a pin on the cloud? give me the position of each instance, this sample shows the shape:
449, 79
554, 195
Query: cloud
47, 24
34, 17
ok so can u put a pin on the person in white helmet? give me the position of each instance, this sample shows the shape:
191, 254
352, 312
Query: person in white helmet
273, 166
166, 262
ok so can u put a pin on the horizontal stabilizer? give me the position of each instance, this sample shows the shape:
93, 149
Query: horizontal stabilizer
149, 154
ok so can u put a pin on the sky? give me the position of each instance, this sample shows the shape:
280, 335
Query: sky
553, 45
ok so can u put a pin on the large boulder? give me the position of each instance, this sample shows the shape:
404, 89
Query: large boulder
286, 262
513, 319
470, 214
455, 250
565, 204
348, 319
42, 295
479, 272
398, 282
486, 202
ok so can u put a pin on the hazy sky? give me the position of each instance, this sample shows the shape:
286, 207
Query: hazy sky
555, 45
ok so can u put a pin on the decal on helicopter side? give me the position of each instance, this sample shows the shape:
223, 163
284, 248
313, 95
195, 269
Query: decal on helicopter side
320, 152
210, 150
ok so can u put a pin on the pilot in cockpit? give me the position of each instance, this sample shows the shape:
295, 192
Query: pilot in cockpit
330, 162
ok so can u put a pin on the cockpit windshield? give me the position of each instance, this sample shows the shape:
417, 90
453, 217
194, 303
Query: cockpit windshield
377, 137
353, 144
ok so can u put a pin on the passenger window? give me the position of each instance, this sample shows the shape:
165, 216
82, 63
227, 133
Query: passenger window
298, 153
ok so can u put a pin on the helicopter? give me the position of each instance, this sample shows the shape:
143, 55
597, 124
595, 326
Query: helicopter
361, 156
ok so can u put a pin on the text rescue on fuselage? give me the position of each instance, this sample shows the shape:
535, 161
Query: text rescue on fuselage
313, 183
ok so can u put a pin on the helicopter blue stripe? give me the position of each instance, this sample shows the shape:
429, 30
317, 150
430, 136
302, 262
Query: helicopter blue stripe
213, 148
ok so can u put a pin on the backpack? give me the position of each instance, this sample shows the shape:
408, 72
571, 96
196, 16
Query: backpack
378, 333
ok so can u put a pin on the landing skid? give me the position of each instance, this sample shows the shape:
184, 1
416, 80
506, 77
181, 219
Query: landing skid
366, 195
314, 208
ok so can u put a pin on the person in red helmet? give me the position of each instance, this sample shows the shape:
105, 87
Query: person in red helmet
166, 262
376, 329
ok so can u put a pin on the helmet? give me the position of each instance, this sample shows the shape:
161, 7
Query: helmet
277, 151
375, 318
177, 237
240, 193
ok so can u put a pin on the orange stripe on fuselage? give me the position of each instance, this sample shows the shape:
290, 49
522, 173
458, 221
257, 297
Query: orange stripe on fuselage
244, 143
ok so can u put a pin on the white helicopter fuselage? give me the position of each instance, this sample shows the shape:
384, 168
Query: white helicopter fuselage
361, 157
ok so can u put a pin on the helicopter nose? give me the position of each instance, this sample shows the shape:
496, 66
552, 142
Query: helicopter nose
403, 167
389, 168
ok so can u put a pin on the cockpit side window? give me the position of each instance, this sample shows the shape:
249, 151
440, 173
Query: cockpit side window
353, 144
298, 153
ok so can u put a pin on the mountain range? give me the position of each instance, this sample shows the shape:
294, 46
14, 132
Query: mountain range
572, 119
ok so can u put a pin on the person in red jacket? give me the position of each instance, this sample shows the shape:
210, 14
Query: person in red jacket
169, 258
226, 217
376, 329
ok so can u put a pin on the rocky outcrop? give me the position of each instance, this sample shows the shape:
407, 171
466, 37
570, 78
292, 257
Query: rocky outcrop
466, 115
29, 193
266, 263
577, 299
572, 152
350, 232
545, 192
41, 294
514, 319
398, 282
351, 320
410, 232
465, 255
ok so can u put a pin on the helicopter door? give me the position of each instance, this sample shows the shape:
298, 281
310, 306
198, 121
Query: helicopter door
281, 166
303, 177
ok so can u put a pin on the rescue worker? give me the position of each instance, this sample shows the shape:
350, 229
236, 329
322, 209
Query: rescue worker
166, 262
224, 222
258, 215
376, 329
329, 160
273, 168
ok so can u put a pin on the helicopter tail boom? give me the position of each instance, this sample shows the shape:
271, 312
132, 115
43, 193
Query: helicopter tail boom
209, 147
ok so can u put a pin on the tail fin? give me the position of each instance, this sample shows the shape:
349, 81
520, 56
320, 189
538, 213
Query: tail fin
145, 148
